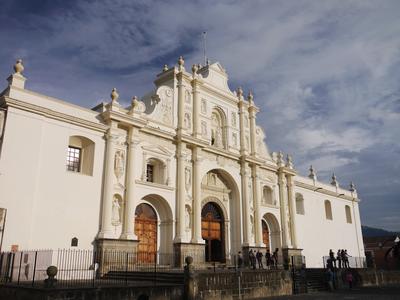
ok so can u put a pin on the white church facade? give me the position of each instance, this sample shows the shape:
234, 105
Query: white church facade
185, 169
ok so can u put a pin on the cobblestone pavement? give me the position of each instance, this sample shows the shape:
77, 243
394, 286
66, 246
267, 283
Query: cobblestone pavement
357, 293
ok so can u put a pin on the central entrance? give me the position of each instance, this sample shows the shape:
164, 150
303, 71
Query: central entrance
146, 231
265, 233
212, 231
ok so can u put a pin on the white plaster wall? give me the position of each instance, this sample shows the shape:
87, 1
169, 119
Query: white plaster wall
46, 204
316, 235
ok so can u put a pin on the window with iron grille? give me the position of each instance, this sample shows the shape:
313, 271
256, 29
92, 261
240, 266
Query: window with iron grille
74, 159
150, 173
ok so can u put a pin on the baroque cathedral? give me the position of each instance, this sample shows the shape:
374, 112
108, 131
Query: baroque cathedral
183, 170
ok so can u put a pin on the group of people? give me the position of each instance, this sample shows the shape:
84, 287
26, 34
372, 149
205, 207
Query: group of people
256, 258
342, 259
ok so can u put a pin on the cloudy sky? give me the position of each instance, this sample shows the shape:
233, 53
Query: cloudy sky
326, 74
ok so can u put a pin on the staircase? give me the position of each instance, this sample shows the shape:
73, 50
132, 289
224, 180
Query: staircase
316, 280
159, 277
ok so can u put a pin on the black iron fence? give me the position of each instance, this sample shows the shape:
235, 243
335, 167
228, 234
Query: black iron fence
350, 262
86, 267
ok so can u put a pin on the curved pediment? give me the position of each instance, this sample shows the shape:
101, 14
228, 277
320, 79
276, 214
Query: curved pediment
216, 76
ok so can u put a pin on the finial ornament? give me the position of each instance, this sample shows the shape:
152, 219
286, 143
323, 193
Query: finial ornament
239, 92
334, 182
135, 102
165, 68
289, 161
352, 187
114, 95
194, 69
181, 61
312, 174
279, 159
250, 97
19, 67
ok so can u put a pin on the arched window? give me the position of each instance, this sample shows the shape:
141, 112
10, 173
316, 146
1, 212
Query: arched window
328, 210
218, 129
299, 204
80, 156
155, 171
267, 195
348, 214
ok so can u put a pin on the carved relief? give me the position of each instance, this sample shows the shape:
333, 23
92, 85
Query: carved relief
234, 139
166, 95
204, 128
233, 119
203, 106
119, 164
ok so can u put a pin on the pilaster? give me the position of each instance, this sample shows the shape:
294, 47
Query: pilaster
129, 213
245, 205
196, 188
106, 230
256, 203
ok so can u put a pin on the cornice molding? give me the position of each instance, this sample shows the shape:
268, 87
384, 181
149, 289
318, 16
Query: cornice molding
48, 113
324, 191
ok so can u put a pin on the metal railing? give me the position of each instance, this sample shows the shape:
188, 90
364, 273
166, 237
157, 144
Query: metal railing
352, 262
85, 267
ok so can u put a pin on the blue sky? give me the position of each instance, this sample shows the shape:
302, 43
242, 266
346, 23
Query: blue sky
326, 74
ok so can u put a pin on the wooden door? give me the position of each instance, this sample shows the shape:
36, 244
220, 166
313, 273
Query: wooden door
146, 231
212, 232
265, 233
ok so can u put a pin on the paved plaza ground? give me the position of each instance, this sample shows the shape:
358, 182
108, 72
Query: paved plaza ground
358, 293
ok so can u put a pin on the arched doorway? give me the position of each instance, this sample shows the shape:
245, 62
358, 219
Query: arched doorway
265, 234
271, 231
212, 231
146, 232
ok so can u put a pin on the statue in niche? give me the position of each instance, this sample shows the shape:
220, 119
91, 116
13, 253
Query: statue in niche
187, 121
187, 218
116, 212
187, 96
119, 164
203, 106
188, 179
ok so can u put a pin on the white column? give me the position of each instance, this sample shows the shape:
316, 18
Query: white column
106, 230
292, 209
282, 202
196, 191
252, 115
196, 109
256, 203
180, 181
130, 206
245, 206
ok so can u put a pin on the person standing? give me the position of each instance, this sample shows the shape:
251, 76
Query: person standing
268, 259
240, 259
339, 258
332, 258
252, 259
259, 257
275, 258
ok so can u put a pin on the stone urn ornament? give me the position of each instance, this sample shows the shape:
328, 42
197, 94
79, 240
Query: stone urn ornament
19, 67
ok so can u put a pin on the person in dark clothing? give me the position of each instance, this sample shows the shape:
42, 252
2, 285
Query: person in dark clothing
332, 258
275, 258
259, 257
346, 259
240, 259
268, 259
339, 259
252, 259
